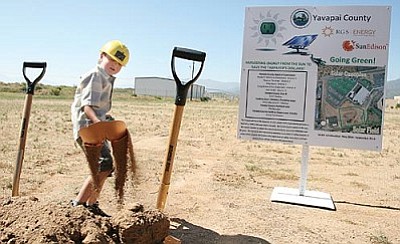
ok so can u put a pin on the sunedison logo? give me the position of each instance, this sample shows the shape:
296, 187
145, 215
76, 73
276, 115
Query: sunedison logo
350, 45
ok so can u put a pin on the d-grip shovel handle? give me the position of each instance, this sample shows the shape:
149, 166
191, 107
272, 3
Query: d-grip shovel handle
189, 54
25, 122
37, 65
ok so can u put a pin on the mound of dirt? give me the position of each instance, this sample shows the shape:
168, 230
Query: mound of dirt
28, 220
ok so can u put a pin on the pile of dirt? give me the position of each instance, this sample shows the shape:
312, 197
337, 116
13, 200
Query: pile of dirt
29, 220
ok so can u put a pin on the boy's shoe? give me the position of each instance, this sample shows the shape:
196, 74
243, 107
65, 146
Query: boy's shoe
75, 203
96, 210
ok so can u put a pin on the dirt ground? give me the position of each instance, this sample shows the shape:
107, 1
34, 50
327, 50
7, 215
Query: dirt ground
220, 188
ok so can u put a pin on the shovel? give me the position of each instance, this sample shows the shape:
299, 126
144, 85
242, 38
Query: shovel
25, 121
180, 101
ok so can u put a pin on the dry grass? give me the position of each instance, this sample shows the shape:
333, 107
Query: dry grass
219, 182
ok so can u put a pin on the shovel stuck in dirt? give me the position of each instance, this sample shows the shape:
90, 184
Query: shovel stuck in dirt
25, 120
180, 101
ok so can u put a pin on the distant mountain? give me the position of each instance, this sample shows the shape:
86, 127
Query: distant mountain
220, 86
393, 88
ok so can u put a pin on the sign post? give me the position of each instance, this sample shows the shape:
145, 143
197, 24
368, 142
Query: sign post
301, 196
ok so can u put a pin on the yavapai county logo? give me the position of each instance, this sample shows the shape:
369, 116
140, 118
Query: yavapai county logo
268, 27
300, 18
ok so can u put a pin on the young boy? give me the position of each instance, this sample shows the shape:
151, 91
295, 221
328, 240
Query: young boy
91, 104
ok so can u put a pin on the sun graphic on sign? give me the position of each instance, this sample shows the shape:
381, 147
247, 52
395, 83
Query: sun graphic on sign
327, 31
268, 28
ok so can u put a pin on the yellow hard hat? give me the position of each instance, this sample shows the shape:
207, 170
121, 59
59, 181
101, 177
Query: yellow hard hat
117, 51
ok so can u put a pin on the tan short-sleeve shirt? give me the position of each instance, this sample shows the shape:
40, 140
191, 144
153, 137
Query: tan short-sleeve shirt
95, 90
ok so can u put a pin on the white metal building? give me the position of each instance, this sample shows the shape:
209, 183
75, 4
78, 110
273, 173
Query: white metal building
165, 87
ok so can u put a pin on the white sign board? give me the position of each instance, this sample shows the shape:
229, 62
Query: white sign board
315, 75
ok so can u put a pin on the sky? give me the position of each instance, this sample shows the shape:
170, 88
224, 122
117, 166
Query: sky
68, 35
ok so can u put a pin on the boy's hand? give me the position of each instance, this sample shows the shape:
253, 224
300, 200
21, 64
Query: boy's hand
91, 114
96, 120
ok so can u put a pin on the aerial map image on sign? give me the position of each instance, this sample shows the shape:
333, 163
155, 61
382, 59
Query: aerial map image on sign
350, 99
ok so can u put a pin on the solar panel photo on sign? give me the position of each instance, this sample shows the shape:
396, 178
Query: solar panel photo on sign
300, 42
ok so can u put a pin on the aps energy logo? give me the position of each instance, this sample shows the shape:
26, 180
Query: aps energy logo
268, 29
